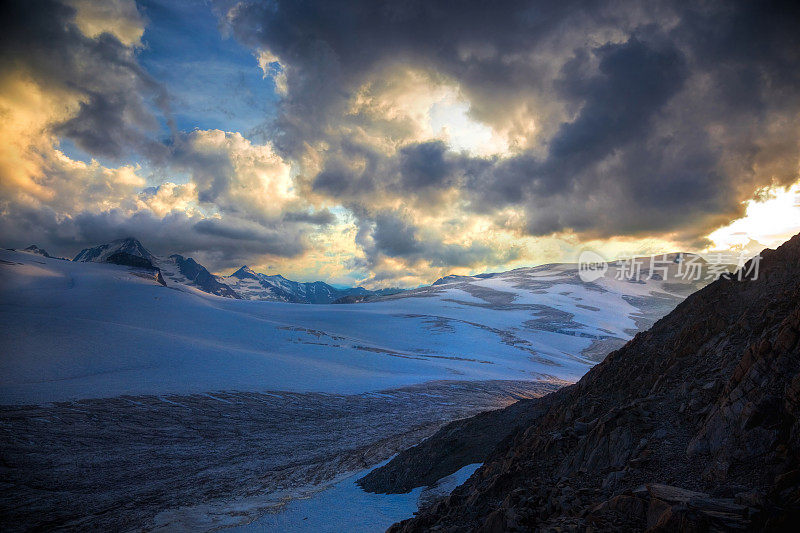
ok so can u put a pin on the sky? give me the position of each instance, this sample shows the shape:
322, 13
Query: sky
390, 143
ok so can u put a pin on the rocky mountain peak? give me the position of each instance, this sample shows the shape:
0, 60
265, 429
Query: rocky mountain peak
36, 250
448, 279
245, 272
128, 245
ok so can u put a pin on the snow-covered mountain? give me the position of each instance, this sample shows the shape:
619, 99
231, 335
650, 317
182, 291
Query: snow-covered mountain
174, 271
187, 271
101, 253
256, 286
33, 249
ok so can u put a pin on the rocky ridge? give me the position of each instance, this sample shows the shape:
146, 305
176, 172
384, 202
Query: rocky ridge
692, 425
252, 285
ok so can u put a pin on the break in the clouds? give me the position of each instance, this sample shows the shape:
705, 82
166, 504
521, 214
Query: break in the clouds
395, 140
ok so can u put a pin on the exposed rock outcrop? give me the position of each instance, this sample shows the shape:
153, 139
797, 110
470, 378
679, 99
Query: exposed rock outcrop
135, 261
455, 445
692, 425
201, 277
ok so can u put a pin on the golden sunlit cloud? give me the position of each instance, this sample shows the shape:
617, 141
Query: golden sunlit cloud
34, 171
120, 18
769, 221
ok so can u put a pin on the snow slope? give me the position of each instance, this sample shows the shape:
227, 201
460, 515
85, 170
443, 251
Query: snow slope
346, 507
87, 330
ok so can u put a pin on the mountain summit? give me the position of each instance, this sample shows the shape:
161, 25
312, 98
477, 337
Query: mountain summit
693, 425
33, 249
245, 273
174, 270
101, 253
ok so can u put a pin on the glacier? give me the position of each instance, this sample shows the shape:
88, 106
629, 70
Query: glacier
240, 406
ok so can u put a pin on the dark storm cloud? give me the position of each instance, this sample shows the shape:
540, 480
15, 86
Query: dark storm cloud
330, 46
419, 169
323, 217
392, 234
337, 181
425, 164
652, 118
119, 99
220, 243
633, 83
271, 240
342, 179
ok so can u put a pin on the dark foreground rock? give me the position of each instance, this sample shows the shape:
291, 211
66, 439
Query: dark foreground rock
691, 426
458, 444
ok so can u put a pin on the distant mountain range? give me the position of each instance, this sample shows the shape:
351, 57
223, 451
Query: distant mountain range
176, 270
256, 286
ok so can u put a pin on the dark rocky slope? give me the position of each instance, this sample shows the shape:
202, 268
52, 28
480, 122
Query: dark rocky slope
457, 444
138, 262
201, 277
692, 425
